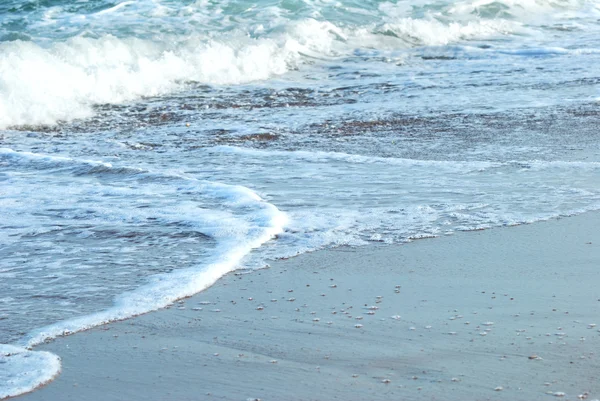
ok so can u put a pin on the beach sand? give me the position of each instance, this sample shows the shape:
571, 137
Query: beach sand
501, 314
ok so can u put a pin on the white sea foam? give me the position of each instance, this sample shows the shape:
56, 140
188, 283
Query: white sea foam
22, 370
396, 199
44, 85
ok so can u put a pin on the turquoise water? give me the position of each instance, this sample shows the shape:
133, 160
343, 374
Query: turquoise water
150, 147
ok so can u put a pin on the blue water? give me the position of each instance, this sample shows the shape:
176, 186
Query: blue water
150, 147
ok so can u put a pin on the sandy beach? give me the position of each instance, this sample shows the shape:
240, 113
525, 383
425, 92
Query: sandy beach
502, 314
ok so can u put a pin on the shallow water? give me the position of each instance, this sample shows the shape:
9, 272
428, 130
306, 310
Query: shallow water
150, 147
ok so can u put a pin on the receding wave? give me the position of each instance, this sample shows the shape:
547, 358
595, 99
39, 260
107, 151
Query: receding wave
235, 218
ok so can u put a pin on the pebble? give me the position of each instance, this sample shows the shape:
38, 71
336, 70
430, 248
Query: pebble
358, 326
499, 388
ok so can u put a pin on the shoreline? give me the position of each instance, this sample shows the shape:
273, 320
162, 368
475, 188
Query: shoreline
506, 313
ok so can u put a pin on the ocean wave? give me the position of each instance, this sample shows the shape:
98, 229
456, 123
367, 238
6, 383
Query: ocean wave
235, 217
113, 58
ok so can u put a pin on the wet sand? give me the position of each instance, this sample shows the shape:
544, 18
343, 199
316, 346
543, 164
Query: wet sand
502, 314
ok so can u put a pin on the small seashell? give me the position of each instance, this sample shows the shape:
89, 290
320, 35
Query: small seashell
488, 323
273, 361
370, 312
355, 375
455, 379
316, 319
499, 388
591, 325
260, 308
396, 317
333, 286
559, 394
386, 381
412, 328
358, 317
273, 300
358, 326
291, 299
